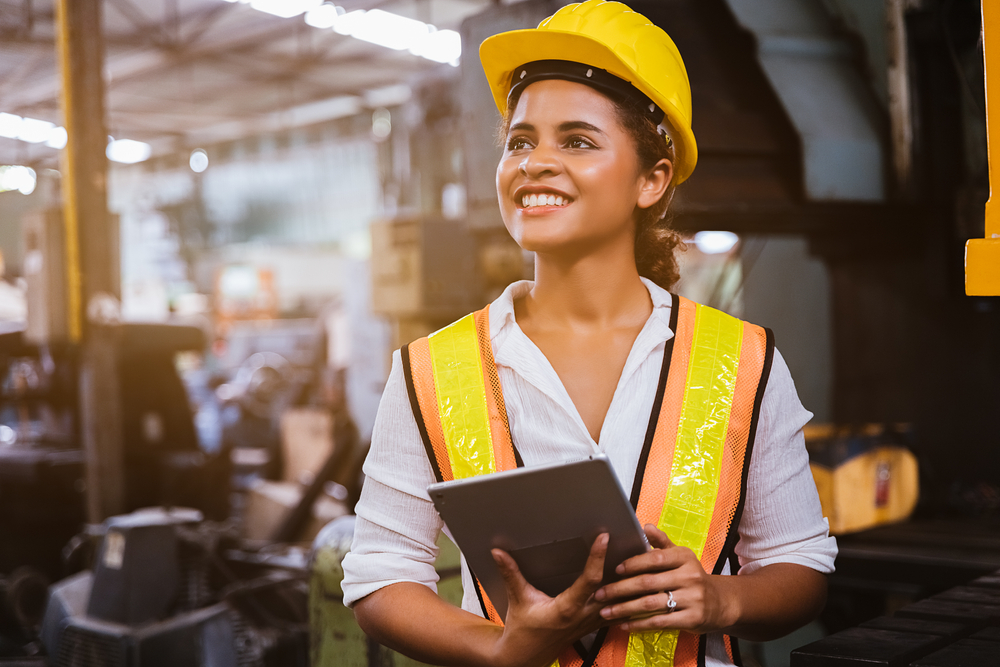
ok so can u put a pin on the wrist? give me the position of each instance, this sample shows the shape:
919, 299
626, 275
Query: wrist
727, 594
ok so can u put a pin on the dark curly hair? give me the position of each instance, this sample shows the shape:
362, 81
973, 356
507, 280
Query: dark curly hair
655, 240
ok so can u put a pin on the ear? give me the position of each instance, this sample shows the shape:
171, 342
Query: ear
655, 183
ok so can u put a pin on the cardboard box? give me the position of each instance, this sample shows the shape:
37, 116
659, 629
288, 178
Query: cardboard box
269, 503
306, 443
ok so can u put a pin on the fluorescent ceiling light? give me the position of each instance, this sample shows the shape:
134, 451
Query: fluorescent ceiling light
714, 243
390, 30
57, 138
285, 8
346, 24
10, 125
35, 131
375, 26
442, 46
128, 151
324, 16
17, 177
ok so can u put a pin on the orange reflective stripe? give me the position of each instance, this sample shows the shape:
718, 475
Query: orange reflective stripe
656, 480
423, 386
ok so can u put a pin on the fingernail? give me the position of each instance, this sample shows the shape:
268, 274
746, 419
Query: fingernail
599, 595
620, 569
496, 555
604, 540
606, 612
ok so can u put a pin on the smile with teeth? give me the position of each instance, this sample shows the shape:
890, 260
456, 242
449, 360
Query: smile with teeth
528, 201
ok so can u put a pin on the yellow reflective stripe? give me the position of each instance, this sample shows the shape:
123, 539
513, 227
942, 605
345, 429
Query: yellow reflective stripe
461, 397
697, 462
646, 649
701, 430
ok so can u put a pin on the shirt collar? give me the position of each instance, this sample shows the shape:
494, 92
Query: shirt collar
502, 312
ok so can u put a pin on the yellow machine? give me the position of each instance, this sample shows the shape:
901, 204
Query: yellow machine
982, 256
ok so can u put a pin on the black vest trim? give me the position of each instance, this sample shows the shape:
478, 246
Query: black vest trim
654, 417
404, 353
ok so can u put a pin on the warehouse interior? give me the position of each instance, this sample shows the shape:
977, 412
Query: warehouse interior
219, 218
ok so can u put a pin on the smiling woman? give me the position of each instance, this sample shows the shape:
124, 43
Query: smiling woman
695, 409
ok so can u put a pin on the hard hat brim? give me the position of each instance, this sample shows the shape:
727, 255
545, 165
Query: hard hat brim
501, 54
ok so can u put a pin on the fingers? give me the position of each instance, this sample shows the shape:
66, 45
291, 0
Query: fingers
593, 572
645, 606
657, 538
513, 579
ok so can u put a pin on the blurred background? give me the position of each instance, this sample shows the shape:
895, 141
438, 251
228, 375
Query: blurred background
218, 219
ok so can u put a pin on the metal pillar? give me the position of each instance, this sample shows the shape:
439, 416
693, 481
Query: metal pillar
91, 251
982, 256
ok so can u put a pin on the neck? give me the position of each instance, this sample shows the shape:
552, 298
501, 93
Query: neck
593, 290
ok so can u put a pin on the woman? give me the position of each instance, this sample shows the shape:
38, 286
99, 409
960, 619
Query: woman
596, 356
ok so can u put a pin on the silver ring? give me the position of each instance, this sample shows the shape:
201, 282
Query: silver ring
671, 602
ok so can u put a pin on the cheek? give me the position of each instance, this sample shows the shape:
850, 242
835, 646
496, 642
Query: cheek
506, 170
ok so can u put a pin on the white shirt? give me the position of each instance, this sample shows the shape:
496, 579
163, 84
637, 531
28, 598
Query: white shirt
397, 526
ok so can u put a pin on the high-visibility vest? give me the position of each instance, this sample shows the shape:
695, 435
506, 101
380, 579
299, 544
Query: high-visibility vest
691, 476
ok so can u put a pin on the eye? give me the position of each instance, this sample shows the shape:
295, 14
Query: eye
579, 142
517, 143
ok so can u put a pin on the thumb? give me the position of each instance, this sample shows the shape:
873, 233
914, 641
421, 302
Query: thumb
657, 538
515, 582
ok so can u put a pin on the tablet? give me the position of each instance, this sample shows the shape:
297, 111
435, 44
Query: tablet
545, 517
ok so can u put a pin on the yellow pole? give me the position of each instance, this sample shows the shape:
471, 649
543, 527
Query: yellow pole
982, 256
91, 252
70, 194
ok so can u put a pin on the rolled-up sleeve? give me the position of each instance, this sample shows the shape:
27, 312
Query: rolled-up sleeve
397, 526
782, 520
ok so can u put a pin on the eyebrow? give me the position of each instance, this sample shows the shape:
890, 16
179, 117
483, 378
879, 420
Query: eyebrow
568, 126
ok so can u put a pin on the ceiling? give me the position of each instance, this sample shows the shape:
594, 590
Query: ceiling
184, 73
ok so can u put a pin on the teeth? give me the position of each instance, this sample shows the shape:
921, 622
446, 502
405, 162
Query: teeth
528, 201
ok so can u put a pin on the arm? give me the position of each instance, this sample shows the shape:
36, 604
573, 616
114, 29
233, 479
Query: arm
411, 619
389, 573
784, 548
766, 604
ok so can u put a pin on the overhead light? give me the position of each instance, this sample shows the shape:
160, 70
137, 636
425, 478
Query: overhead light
324, 16
10, 125
32, 130
35, 131
714, 243
390, 30
381, 123
442, 46
128, 151
376, 26
17, 177
57, 138
198, 161
346, 23
285, 9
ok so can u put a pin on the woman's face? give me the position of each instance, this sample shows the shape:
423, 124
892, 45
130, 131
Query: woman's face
569, 179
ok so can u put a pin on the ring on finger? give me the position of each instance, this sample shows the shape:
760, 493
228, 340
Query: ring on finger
671, 602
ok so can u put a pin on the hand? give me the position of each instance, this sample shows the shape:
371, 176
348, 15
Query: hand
539, 627
702, 605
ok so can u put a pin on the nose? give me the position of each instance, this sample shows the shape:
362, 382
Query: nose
540, 161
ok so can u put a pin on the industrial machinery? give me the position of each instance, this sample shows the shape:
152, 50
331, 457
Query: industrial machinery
168, 589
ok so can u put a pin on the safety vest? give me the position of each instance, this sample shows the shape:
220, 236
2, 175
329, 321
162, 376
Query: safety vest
691, 477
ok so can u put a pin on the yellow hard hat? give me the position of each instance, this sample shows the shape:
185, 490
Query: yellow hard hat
604, 36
